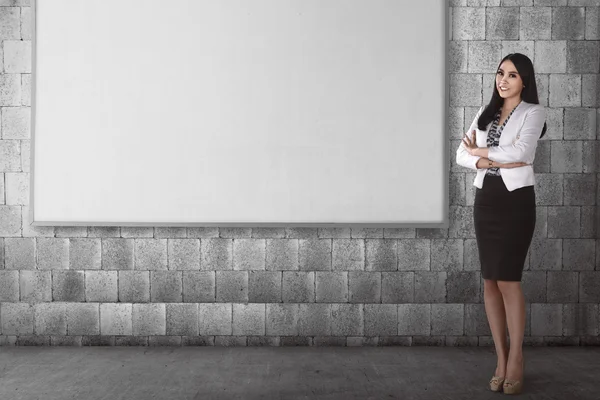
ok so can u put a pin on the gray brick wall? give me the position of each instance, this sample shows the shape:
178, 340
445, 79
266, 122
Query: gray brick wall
324, 287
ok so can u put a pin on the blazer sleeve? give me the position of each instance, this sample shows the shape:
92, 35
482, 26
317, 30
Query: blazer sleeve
463, 158
524, 148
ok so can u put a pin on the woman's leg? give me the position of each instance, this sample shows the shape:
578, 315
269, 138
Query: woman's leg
494, 308
514, 302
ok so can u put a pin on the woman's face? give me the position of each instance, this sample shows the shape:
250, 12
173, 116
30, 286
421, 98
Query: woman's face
508, 78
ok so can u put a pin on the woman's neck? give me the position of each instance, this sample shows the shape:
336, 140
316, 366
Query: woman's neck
510, 103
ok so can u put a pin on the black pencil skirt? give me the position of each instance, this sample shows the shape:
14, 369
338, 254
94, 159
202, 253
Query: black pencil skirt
504, 224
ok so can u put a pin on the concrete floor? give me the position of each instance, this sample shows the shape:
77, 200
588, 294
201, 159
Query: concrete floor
346, 373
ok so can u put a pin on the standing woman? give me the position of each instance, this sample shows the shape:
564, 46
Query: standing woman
500, 145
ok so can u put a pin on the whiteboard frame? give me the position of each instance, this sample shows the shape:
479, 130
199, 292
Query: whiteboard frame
445, 173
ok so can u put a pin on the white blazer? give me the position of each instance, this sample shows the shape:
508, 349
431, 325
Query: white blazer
518, 142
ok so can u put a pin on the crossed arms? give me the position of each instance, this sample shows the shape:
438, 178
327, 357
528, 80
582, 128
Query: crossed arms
522, 150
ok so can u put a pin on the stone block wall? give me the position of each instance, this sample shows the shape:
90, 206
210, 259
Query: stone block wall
341, 287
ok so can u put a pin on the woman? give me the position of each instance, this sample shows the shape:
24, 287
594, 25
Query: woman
501, 147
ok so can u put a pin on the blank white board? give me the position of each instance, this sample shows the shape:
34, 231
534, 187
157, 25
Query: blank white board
239, 113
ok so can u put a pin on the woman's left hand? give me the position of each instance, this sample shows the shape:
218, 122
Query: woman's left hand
470, 146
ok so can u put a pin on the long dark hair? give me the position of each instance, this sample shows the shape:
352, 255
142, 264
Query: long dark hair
529, 93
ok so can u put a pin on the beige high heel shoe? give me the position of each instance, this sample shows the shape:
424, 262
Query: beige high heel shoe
496, 383
514, 386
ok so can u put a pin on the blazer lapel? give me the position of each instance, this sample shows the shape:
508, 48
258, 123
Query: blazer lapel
509, 133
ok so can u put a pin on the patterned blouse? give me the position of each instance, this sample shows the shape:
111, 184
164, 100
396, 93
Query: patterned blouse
493, 138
